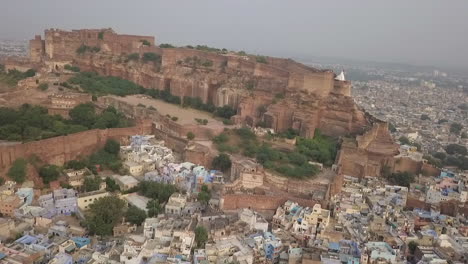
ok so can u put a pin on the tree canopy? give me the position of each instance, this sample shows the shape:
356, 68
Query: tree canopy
49, 173
17, 172
400, 178
112, 147
92, 183
155, 190
104, 214
33, 123
222, 162
204, 195
201, 236
135, 215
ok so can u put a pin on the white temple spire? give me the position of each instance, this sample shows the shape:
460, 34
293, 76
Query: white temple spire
340, 77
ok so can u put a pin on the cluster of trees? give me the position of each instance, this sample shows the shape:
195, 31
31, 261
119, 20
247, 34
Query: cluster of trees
33, 123
101, 85
106, 158
455, 155
18, 171
293, 164
405, 141
84, 48
49, 173
86, 115
12, 77
225, 111
104, 214
320, 148
155, 190
91, 183
398, 178
222, 162
159, 194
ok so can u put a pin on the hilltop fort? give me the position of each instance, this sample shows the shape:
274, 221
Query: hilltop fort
276, 93
280, 93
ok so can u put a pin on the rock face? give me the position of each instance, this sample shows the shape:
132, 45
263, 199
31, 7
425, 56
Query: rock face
278, 93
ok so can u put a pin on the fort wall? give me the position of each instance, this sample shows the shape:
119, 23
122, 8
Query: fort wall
261, 202
59, 150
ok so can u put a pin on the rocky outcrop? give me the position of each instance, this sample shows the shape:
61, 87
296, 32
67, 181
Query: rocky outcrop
367, 153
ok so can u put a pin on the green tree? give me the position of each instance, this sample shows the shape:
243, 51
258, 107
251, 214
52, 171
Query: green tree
75, 164
154, 208
104, 214
455, 128
404, 140
135, 215
201, 236
401, 178
83, 114
190, 136
221, 162
412, 245
155, 190
101, 35
111, 185
92, 183
17, 172
49, 173
456, 149
112, 146
204, 195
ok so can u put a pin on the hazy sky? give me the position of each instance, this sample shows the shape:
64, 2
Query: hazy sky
427, 32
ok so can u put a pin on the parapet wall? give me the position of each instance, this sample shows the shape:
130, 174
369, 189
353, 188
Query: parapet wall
261, 202
59, 150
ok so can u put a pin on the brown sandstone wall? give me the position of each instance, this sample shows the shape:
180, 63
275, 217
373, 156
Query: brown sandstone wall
60, 149
407, 164
261, 202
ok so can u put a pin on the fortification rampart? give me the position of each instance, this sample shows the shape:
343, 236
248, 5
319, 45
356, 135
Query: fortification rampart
262, 202
60, 149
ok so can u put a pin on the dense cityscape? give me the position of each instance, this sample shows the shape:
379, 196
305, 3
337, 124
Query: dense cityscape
115, 148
